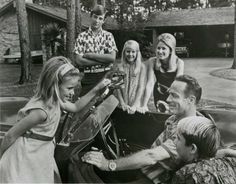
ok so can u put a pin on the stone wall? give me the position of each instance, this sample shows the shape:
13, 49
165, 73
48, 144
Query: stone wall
9, 38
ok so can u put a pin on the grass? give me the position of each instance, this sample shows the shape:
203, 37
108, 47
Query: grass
226, 73
9, 77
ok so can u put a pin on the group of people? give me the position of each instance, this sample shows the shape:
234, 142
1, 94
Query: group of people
96, 50
187, 151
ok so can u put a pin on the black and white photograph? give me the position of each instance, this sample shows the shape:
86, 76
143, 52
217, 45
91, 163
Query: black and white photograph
118, 91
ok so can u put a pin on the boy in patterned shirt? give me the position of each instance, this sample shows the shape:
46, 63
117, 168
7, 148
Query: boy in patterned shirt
95, 50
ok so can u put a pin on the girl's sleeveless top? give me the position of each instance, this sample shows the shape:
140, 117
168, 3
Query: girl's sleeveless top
49, 126
30, 160
163, 82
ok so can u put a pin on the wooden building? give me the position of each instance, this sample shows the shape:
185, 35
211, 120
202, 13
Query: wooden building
207, 32
37, 16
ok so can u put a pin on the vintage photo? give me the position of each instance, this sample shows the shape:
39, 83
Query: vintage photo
112, 91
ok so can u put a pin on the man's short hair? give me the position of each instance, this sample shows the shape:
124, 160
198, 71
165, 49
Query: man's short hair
192, 88
98, 10
202, 132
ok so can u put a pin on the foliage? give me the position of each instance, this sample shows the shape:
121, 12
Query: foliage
54, 37
131, 13
139, 36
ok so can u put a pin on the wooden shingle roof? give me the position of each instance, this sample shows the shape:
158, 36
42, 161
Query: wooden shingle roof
60, 14
192, 17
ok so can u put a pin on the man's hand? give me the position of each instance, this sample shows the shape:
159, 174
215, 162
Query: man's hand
89, 55
96, 158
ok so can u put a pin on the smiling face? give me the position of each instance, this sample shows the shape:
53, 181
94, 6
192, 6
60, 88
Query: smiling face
130, 55
97, 21
162, 51
178, 102
67, 87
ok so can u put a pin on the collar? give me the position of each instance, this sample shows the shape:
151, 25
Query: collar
90, 31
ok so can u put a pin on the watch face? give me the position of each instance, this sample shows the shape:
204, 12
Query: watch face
112, 165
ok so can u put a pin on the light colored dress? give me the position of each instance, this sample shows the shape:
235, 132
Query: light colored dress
30, 160
131, 83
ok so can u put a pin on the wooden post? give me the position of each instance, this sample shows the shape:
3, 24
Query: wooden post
78, 20
154, 38
26, 59
234, 62
44, 47
70, 38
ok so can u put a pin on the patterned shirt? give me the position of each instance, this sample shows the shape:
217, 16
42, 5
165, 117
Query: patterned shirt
162, 171
159, 172
211, 171
101, 43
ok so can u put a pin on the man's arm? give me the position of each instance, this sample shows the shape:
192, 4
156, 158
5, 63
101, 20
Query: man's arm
102, 58
226, 152
90, 59
81, 61
137, 160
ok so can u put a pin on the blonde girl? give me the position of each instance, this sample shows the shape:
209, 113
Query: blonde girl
162, 70
131, 63
27, 150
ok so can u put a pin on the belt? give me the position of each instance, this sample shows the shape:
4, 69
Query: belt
96, 69
37, 136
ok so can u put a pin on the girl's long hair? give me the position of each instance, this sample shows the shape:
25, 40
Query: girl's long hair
138, 61
52, 75
170, 41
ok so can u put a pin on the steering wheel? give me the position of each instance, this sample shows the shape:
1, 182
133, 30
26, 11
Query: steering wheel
81, 128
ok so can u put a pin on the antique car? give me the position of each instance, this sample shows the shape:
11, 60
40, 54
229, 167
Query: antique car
118, 135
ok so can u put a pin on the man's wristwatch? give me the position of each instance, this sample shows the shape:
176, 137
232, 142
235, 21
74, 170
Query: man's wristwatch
112, 165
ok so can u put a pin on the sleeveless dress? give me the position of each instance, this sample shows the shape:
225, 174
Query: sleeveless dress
30, 160
163, 82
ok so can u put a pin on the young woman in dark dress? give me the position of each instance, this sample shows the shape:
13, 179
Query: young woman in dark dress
162, 70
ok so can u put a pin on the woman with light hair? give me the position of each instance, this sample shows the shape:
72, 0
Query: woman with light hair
197, 142
131, 64
162, 70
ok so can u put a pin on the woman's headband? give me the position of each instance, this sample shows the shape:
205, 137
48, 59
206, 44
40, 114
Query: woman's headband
131, 44
168, 39
66, 68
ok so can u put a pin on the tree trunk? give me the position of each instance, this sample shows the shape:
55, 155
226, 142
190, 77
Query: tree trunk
234, 63
22, 22
70, 38
78, 22
44, 47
